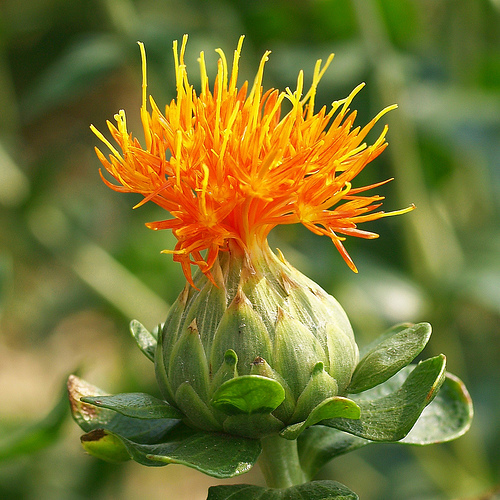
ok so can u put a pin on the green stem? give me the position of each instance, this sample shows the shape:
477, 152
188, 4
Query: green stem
279, 462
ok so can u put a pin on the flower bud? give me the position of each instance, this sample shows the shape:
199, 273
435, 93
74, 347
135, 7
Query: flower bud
258, 317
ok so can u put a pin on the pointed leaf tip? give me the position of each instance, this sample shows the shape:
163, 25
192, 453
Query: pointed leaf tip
391, 417
394, 350
145, 340
135, 405
91, 417
334, 407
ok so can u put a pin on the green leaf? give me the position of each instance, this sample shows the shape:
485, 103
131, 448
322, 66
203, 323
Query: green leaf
389, 355
248, 394
448, 417
319, 444
145, 340
329, 408
135, 405
390, 418
35, 436
315, 490
90, 417
365, 349
216, 454
319, 490
241, 492
105, 446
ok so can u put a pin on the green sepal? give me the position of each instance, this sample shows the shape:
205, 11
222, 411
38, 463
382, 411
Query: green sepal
260, 291
334, 407
135, 405
391, 417
170, 333
215, 454
388, 355
90, 417
255, 426
226, 372
195, 409
312, 305
242, 330
320, 387
105, 446
145, 340
315, 490
284, 411
161, 370
296, 352
342, 356
188, 363
248, 394
207, 318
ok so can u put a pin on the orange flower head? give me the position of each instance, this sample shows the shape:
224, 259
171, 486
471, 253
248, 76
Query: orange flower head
228, 167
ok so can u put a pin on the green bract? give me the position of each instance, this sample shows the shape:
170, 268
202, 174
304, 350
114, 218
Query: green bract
256, 350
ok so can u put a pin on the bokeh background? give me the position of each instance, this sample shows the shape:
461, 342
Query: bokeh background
76, 263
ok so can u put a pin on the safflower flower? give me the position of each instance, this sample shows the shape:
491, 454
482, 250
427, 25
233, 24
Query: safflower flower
229, 168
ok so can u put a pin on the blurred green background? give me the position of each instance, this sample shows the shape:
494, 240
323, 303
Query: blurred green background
76, 263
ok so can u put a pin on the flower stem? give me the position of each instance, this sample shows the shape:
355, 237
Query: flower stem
279, 462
